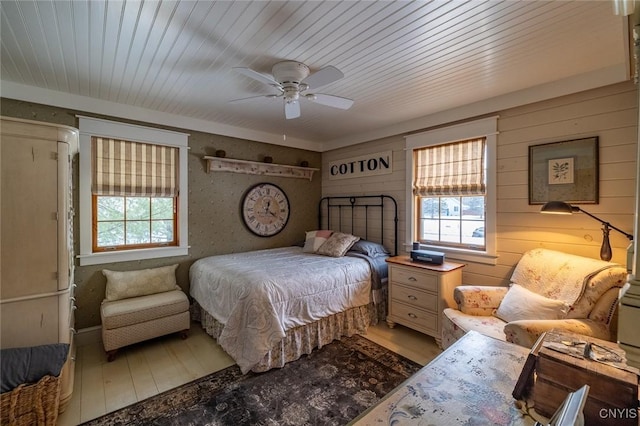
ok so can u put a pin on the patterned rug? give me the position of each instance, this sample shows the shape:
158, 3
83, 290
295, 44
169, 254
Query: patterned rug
331, 386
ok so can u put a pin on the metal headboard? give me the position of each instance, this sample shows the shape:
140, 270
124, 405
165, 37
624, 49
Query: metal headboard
361, 215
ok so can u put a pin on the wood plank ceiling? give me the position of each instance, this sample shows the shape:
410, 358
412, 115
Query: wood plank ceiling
401, 60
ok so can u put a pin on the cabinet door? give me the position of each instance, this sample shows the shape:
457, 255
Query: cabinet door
29, 197
30, 322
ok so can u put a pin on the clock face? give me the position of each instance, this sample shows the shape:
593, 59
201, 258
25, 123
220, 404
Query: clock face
265, 209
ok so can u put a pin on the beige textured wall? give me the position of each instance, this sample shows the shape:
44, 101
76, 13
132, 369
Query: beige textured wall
215, 224
608, 112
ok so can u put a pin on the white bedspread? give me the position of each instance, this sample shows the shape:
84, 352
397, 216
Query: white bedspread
259, 295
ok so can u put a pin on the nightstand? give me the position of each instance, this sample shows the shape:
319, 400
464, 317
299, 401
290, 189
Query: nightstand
419, 292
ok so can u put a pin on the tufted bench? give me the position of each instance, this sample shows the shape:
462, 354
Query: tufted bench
142, 305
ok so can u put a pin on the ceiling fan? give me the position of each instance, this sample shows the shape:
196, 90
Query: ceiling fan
293, 81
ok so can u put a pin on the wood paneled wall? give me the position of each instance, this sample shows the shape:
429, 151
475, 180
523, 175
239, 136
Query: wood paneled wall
609, 112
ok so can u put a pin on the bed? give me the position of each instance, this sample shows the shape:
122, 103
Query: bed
269, 307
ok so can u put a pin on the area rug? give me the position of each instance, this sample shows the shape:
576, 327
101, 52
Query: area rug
331, 386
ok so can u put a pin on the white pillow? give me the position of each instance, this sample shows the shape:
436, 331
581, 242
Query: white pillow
522, 304
314, 239
126, 284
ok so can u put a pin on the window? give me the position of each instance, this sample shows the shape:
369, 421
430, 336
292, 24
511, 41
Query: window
133, 222
133, 192
451, 190
134, 188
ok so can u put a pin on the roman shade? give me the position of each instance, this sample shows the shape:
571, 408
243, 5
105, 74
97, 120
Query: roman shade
134, 169
451, 169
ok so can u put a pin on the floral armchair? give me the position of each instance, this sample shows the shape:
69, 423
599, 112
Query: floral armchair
549, 289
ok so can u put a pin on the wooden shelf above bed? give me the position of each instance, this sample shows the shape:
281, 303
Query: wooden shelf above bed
220, 164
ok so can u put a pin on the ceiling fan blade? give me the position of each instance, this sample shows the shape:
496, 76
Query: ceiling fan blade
330, 100
257, 76
252, 98
324, 76
291, 109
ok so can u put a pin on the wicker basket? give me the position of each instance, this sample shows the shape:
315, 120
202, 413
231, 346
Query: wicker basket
31, 404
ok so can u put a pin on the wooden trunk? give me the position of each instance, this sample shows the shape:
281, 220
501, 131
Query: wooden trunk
613, 393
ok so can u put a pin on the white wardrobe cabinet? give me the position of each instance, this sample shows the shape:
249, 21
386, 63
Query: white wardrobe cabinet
36, 252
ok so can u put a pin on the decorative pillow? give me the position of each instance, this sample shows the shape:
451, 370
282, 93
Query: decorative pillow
314, 239
369, 248
337, 244
30, 364
126, 284
522, 304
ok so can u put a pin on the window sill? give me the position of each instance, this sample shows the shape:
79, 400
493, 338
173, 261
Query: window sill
463, 255
129, 255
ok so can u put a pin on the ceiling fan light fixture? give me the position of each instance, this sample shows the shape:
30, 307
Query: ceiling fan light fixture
291, 93
292, 79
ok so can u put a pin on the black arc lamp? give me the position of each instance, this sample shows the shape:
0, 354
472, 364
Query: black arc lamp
560, 207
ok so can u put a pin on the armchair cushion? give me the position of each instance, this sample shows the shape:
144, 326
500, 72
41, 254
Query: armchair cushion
522, 304
479, 300
526, 332
460, 323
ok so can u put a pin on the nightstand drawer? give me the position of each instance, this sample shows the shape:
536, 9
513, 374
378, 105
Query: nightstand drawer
414, 278
415, 318
415, 297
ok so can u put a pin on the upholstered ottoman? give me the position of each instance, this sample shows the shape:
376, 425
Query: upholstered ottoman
131, 315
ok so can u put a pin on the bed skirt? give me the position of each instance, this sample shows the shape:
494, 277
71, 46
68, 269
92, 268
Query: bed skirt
303, 340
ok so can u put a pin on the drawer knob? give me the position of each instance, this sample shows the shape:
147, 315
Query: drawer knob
412, 315
412, 279
412, 297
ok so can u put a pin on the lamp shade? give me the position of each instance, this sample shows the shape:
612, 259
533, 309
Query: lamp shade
558, 207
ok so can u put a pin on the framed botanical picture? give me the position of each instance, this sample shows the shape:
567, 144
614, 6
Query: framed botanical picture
564, 171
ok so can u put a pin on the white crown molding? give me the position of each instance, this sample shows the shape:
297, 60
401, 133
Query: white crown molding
599, 78
587, 81
97, 106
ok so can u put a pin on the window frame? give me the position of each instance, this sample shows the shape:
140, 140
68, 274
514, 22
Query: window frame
476, 247
487, 128
94, 224
89, 127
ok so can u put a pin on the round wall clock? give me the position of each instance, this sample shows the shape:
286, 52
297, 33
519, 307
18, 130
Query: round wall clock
265, 209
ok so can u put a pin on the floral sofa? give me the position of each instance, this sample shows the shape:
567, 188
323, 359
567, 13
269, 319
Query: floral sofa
548, 289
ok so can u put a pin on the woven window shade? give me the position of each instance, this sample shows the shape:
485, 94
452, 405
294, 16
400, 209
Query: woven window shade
123, 168
452, 169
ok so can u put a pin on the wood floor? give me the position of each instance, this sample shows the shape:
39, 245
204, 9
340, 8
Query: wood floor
148, 368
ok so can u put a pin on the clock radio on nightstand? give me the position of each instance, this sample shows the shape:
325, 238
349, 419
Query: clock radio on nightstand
426, 256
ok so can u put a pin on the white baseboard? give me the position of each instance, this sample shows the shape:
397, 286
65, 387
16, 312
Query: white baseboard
89, 335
